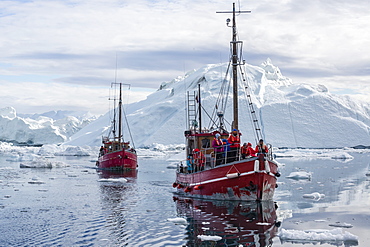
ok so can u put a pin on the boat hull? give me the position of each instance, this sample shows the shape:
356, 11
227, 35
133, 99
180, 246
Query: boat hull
245, 180
118, 160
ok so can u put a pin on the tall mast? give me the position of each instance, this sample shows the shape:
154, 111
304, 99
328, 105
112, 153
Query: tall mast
120, 114
235, 63
199, 109
235, 73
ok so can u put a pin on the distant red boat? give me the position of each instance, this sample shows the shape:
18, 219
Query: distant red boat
116, 154
220, 173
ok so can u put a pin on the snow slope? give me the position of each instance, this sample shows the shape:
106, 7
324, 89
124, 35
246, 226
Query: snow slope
291, 115
38, 130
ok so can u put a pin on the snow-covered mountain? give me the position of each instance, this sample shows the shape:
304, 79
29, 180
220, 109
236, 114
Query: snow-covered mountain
291, 115
40, 129
57, 115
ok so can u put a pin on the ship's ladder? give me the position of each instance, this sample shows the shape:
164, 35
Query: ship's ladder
192, 110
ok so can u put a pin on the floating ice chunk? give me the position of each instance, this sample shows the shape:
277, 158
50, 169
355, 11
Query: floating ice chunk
209, 238
263, 223
342, 156
316, 235
6, 168
178, 220
320, 220
300, 175
73, 151
36, 180
315, 196
146, 152
72, 175
113, 180
284, 214
41, 162
341, 225
173, 165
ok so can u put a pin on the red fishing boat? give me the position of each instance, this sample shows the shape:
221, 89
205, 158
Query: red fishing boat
115, 153
212, 171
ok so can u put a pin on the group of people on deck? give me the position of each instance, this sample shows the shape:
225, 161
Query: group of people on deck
228, 150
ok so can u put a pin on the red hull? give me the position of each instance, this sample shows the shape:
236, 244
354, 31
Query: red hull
118, 160
238, 223
245, 180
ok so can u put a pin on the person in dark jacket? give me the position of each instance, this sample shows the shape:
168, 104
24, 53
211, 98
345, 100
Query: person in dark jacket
217, 145
261, 148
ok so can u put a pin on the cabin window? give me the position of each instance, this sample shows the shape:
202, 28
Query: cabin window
206, 143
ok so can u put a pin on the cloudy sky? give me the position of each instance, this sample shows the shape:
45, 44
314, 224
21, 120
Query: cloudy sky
63, 54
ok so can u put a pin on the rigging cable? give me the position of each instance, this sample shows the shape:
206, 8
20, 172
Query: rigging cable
128, 127
221, 99
252, 112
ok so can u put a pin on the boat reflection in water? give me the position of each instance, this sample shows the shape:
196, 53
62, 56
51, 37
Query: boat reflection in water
237, 222
116, 186
107, 174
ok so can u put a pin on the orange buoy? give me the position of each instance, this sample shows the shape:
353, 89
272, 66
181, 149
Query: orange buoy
197, 187
187, 189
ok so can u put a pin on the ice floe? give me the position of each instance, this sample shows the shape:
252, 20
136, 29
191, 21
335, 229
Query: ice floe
341, 225
263, 223
113, 180
172, 165
42, 162
335, 236
209, 238
314, 196
36, 180
73, 151
300, 175
338, 154
177, 220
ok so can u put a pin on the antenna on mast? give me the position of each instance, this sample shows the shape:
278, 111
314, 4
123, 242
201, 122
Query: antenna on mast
235, 60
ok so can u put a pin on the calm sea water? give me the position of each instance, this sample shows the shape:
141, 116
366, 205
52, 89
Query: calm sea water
71, 206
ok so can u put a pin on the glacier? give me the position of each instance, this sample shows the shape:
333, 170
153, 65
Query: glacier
291, 115
49, 128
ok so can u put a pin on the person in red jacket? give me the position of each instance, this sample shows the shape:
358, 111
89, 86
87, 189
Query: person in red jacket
261, 148
199, 160
234, 140
244, 150
250, 151
247, 151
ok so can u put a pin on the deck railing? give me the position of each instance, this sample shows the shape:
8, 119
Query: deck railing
191, 165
